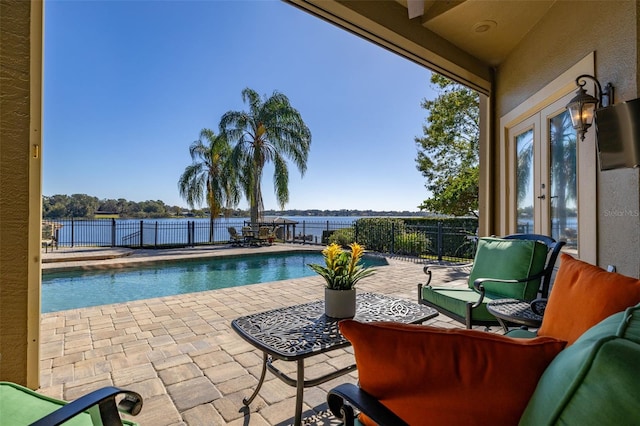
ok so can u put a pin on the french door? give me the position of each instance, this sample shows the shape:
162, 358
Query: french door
544, 156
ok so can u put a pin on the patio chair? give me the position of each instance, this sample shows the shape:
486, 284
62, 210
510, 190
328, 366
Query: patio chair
265, 235
49, 236
234, 238
22, 406
517, 266
249, 235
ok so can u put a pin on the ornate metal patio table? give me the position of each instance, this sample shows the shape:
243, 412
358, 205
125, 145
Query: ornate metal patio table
301, 331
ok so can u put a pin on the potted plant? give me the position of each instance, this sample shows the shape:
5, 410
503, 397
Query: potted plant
341, 272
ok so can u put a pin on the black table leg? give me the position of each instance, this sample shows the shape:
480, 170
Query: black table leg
247, 401
299, 392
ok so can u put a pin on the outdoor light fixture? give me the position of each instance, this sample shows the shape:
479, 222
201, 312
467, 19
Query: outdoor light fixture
583, 106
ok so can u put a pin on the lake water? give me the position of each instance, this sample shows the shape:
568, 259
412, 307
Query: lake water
151, 232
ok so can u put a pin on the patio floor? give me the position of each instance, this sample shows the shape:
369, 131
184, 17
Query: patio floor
180, 353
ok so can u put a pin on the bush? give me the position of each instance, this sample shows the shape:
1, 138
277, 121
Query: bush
378, 234
411, 243
343, 237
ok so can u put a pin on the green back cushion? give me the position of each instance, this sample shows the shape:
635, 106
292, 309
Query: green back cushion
509, 259
594, 381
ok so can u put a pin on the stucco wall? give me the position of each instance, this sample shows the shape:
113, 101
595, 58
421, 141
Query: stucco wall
15, 142
610, 28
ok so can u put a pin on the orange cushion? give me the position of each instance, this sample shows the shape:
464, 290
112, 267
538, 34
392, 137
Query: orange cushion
437, 376
583, 295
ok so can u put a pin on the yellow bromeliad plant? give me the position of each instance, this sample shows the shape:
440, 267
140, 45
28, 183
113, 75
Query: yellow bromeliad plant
343, 269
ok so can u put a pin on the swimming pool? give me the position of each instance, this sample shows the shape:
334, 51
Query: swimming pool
79, 289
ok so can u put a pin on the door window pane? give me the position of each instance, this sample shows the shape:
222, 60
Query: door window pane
564, 214
524, 182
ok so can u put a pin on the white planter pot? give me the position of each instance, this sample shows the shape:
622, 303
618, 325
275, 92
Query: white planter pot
340, 303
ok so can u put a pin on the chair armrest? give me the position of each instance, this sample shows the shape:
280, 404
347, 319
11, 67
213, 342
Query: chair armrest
538, 306
499, 280
477, 284
105, 399
364, 402
427, 269
428, 273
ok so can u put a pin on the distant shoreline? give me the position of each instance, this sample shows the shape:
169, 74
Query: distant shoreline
268, 213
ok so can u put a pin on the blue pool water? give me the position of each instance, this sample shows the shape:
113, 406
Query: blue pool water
79, 289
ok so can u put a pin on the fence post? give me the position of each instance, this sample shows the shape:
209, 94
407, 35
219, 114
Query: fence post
304, 232
155, 237
188, 233
113, 232
141, 234
440, 247
393, 237
193, 233
355, 231
72, 231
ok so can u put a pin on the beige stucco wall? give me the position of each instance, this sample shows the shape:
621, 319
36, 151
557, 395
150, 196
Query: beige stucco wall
19, 190
610, 29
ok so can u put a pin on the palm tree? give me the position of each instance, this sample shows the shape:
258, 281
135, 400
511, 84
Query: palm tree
272, 131
210, 176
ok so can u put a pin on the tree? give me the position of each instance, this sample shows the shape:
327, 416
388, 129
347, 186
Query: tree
271, 131
448, 152
54, 207
82, 205
210, 177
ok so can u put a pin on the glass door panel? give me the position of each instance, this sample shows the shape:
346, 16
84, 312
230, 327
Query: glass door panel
524, 182
562, 179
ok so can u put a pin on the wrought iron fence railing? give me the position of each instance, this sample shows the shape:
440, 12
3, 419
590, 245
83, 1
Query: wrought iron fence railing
434, 241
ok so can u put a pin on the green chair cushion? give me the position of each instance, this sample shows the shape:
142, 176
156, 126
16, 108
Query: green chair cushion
455, 300
518, 333
509, 259
594, 381
20, 406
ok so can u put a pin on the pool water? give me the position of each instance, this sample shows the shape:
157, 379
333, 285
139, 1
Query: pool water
79, 289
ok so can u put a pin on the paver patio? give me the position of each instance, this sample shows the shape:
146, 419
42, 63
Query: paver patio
180, 353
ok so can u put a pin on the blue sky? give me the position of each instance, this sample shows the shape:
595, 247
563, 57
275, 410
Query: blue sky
129, 85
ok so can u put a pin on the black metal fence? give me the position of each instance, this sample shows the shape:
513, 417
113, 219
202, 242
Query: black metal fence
394, 236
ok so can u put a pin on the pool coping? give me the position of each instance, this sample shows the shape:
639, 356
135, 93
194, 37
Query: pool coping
99, 259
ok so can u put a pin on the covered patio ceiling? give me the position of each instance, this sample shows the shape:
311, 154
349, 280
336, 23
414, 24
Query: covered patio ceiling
462, 39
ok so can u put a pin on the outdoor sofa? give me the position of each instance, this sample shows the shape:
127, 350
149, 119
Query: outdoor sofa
580, 368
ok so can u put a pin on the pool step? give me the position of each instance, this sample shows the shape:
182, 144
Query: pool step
78, 255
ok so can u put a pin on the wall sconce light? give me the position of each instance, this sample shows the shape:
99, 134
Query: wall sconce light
583, 106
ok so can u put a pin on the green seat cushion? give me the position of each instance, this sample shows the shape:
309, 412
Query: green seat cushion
509, 259
455, 300
594, 381
519, 333
20, 406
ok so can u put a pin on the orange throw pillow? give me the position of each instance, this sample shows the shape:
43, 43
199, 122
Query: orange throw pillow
437, 376
583, 295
